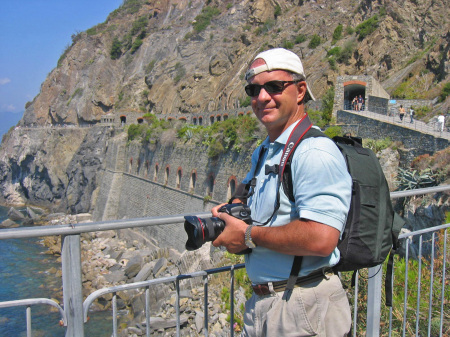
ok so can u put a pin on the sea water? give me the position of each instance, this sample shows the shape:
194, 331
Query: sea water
24, 273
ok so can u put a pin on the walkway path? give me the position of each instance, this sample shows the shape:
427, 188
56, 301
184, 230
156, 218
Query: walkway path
430, 128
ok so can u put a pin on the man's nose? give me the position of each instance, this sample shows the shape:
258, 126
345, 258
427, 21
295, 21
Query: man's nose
264, 95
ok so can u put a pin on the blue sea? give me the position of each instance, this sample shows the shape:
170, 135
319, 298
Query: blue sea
24, 274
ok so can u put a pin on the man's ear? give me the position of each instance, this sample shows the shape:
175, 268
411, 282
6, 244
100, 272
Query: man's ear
301, 91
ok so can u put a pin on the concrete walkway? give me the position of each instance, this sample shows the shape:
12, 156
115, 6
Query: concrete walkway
430, 128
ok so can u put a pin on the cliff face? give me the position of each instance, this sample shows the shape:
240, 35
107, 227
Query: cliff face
55, 168
185, 56
180, 57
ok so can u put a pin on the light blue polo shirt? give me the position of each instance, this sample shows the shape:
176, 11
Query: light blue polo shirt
322, 190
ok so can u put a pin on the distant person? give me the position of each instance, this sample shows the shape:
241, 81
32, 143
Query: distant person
411, 114
355, 104
360, 103
401, 112
441, 122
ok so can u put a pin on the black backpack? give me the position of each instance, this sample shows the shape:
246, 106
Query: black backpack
372, 226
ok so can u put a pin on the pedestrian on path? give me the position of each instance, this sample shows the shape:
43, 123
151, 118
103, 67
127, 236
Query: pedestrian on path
360, 103
401, 112
355, 103
441, 122
411, 114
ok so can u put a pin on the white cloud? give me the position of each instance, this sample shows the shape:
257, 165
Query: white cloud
4, 80
9, 108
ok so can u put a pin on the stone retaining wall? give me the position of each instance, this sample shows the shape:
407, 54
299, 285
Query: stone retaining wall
415, 142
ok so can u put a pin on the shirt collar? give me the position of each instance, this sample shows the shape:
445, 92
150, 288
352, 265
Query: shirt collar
283, 138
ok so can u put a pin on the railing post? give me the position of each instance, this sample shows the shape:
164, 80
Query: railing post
72, 286
374, 301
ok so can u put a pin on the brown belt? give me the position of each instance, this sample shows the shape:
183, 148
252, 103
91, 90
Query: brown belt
264, 289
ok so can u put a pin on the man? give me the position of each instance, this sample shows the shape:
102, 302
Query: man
360, 103
310, 227
441, 121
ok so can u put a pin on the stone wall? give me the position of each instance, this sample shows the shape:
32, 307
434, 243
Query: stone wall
134, 188
415, 142
378, 105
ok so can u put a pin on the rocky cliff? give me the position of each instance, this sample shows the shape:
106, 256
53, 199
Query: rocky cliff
189, 56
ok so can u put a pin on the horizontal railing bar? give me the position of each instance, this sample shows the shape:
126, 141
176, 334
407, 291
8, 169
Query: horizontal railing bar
38, 231
143, 284
69, 229
419, 191
423, 231
35, 301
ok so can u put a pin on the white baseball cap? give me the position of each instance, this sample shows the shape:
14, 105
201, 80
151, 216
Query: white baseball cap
279, 59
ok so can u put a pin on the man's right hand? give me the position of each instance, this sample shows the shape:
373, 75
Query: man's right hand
233, 235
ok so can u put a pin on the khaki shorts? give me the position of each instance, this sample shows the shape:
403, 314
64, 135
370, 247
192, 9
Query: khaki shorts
318, 309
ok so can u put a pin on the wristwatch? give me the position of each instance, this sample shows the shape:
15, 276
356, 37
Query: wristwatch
248, 237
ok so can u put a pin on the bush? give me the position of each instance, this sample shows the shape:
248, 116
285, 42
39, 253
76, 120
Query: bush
422, 112
203, 20
332, 63
277, 11
245, 102
377, 145
337, 34
314, 42
334, 51
327, 105
333, 131
367, 27
139, 25
136, 44
445, 92
116, 49
132, 6
300, 38
288, 44
346, 53
413, 179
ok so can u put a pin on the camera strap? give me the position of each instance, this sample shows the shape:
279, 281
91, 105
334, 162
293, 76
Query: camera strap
294, 139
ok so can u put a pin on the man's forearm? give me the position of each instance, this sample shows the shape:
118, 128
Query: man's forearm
299, 237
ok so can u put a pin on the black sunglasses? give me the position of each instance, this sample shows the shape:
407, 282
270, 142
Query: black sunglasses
272, 87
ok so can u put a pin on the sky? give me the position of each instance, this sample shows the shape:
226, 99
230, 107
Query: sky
33, 35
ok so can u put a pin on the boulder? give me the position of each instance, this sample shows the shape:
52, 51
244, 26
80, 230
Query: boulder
15, 214
145, 273
8, 223
160, 266
32, 214
133, 266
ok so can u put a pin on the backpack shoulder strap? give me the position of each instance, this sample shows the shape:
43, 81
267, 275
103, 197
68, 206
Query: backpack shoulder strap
287, 181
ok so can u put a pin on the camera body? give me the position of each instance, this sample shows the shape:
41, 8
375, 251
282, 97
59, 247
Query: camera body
201, 230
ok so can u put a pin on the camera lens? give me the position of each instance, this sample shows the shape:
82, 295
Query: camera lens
201, 230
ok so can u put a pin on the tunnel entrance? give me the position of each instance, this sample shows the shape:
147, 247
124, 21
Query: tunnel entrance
353, 89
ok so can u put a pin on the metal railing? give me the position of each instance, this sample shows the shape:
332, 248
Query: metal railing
75, 311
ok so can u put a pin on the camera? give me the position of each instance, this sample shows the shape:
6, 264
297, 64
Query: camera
201, 230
